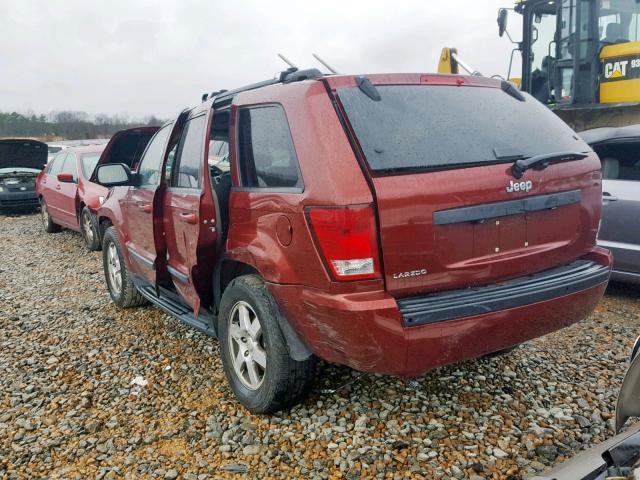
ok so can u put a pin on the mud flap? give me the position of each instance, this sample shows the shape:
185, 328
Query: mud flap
297, 349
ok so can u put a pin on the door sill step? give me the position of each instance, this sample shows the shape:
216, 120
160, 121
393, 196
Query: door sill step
171, 304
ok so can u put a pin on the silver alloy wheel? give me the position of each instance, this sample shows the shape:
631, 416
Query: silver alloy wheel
114, 269
87, 225
44, 214
246, 345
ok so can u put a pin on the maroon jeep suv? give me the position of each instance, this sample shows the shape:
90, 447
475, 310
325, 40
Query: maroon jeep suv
392, 223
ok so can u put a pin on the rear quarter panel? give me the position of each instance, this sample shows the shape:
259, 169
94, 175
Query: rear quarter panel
331, 176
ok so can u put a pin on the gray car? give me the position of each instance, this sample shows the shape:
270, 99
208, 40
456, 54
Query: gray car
619, 151
21, 160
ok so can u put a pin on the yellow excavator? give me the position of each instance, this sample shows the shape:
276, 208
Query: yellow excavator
580, 57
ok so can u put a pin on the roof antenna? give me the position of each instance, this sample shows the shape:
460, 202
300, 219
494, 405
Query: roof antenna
288, 62
329, 67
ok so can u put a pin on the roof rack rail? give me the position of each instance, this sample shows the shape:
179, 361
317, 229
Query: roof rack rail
290, 75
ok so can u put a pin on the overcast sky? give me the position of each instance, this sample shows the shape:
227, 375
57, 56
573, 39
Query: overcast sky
144, 57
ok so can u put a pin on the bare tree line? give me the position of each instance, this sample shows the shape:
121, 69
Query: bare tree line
69, 125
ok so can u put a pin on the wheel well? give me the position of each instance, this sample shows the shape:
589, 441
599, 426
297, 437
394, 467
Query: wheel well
104, 223
227, 271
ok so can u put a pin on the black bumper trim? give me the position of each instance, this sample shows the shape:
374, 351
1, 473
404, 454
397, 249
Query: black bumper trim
538, 287
485, 211
17, 200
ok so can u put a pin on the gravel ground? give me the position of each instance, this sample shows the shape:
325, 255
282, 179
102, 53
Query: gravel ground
87, 390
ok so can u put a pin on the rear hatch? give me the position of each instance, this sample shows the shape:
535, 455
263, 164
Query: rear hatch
126, 146
439, 153
20, 153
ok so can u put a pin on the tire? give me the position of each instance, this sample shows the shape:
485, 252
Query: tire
121, 288
89, 230
283, 381
47, 222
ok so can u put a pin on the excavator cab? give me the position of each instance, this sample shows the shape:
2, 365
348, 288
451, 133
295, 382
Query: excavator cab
582, 58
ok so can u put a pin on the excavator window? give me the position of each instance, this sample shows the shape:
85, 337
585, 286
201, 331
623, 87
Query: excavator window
619, 22
543, 28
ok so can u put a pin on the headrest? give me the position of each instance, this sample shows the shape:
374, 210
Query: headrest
610, 168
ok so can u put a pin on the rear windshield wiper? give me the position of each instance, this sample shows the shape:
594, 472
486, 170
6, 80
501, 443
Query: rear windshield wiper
540, 162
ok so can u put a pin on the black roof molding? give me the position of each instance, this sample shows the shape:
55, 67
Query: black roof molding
290, 75
300, 75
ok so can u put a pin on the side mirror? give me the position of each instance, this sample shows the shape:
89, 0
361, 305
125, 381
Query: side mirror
66, 178
113, 175
503, 14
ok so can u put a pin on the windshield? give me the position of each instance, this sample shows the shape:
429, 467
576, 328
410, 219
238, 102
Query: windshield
54, 149
89, 162
436, 127
619, 21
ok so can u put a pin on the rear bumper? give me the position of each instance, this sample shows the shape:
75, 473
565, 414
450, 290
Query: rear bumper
368, 331
18, 200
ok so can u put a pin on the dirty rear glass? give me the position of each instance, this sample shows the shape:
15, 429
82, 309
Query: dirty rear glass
416, 127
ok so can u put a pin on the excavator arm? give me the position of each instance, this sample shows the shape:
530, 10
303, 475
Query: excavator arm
451, 63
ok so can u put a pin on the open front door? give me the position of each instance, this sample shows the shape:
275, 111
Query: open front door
184, 223
141, 205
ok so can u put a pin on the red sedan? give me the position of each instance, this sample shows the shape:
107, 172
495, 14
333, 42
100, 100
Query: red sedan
67, 193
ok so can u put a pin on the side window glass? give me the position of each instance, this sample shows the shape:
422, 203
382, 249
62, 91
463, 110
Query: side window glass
149, 169
189, 157
630, 169
620, 161
70, 166
265, 149
56, 164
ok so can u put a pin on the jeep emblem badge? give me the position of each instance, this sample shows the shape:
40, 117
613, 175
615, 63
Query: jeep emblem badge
519, 186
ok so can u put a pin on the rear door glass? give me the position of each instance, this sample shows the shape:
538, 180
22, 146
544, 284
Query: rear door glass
417, 127
267, 156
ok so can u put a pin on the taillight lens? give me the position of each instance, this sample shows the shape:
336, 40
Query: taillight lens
347, 238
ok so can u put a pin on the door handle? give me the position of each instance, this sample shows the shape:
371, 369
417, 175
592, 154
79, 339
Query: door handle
189, 218
57, 187
607, 197
145, 207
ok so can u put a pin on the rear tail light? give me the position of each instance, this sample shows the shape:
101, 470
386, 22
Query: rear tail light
347, 240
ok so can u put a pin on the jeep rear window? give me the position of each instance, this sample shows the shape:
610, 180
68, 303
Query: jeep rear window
417, 127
